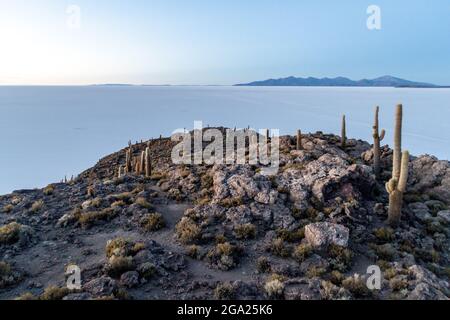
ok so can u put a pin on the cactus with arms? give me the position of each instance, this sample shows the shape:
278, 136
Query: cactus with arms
397, 185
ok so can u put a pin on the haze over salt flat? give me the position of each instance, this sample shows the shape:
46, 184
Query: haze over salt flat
49, 132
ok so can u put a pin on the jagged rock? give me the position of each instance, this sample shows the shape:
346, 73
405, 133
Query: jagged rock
323, 234
427, 286
420, 211
130, 279
103, 286
430, 176
444, 215
78, 296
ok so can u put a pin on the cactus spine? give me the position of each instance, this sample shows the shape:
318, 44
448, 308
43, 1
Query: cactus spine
397, 185
343, 133
299, 140
148, 166
377, 138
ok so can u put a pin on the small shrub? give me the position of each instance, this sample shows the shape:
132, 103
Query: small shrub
153, 222
138, 247
224, 291
193, 251
158, 176
10, 233
398, 284
294, 166
263, 265
124, 196
342, 257
117, 265
90, 192
385, 251
88, 219
202, 201
245, 231
315, 272
301, 252
231, 202
5, 269
274, 288
384, 234
220, 238
142, 202
118, 204
336, 277
48, 190
207, 181
54, 293
119, 247
187, 230
225, 249
291, 236
8, 208
36, 206
278, 248
27, 296
223, 256
390, 273
357, 286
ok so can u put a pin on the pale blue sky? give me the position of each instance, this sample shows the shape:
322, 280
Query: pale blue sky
220, 42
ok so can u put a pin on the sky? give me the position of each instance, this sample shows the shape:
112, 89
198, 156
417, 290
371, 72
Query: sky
58, 42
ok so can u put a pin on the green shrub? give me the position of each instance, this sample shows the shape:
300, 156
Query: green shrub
384, 234
224, 291
245, 231
37, 206
48, 190
263, 265
153, 222
231, 202
54, 293
8, 208
87, 219
278, 248
187, 230
301, 252
10, 233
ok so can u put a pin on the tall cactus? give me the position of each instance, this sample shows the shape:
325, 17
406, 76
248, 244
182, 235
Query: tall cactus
343, 133
377, 138
397, 185
148, 165
128, 165
142, 163
299, 140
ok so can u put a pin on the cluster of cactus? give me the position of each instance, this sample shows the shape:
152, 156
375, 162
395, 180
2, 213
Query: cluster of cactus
139, 165
377, 138
396, 186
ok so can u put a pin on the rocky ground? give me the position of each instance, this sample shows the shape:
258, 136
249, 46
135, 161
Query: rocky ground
228, 232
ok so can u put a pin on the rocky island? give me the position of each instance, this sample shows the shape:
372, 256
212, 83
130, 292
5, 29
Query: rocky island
229, 232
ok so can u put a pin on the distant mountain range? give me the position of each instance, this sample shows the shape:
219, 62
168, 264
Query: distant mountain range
385, 81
